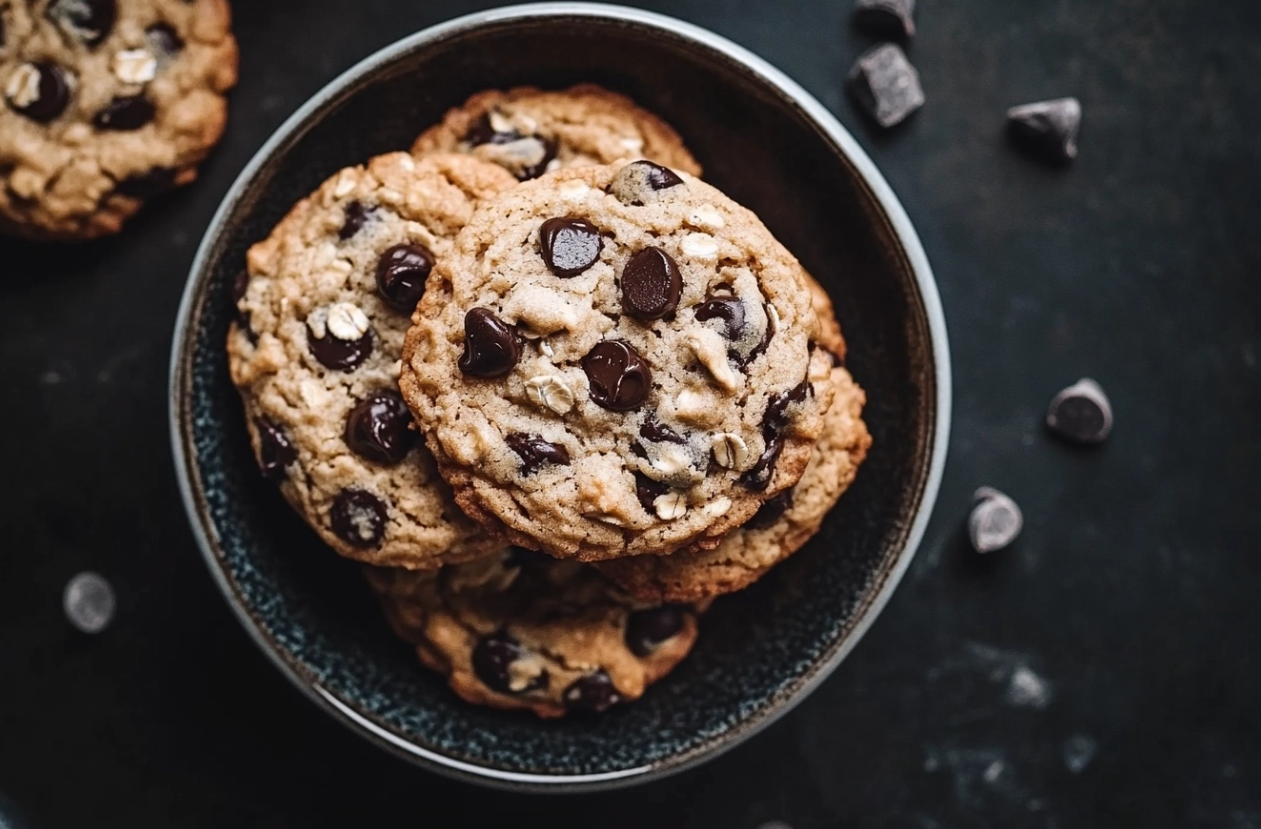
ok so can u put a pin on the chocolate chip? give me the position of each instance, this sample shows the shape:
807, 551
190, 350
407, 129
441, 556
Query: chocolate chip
148, 184
164, 39
651, 285
483, 132
275, 452
647, 630
526, 156
1081, 413
493, 658
125, 114
639, 182
379, 428
240, 285
774, 422
337, 353
569, 245
401, 274
1047, 128
659, 433
593, 692
648, 491
358, 518
995, 521
619, 379
771, 511
491, 348
88, 21
889, 18
356, 215
727, 309
534, 451
767, 335
886, 85
40, 91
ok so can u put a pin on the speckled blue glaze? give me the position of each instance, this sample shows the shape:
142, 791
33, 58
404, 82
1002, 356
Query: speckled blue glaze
760, 651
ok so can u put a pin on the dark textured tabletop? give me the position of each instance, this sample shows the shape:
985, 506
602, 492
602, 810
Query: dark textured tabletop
1104, 671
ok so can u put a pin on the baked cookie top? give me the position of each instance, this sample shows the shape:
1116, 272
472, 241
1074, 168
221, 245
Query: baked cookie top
521, 630
615, 361
323, 310
530, 132
106, 103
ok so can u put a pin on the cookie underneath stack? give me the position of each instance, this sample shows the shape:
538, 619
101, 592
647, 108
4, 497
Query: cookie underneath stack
557, 391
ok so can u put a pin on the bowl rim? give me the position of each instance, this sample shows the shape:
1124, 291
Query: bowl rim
881, 195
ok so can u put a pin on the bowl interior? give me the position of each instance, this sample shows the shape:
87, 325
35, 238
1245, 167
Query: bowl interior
757, 648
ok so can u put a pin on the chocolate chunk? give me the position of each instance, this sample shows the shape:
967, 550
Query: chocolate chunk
647, 630
569, 245
401, 274
648, 491
534, 451
774, 422
771, 511
148, 184
886, 85
88, 21
333, 351
356, 216
888, 18
125, 114
358, 518
767, 335
525, 156
659, 433
1047, 128
593, 692
164, 39
491, 347
995, 521
619, 379
651, 285
379, 428
1081, 413
493, 659
40, 91
275, 452
727, 309
639, 182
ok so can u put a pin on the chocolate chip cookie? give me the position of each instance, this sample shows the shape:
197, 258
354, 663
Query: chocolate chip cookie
106, 104
615, 361
323, 308
519, 630
530, 131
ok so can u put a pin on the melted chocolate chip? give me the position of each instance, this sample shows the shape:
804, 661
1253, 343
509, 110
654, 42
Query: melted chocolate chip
541, 149
727, 309
164, 39
569, 245
275, 452
491, 348
659, 433
401, 274
774, 422
356, 216
619, 379
125, 114
771, 511
593, 692
534, 452
337, 354
358, 518
148, 184
483, 133
493, 657
648, 491
52, 92
88, 21
639, 181
379, 428
762, 345
651, 285
647, 630
525, 172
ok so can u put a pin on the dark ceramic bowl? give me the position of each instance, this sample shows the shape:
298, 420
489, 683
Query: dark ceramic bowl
770, 145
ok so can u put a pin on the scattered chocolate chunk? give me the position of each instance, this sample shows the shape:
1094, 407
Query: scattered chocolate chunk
886, 85
647, 630
356, 216
771, 511
339, 336
534, 452
727, 309
648, 491
491, 347
506, 667
774, 422
619, 378
593, 692
640, 181
651, 285
659, 432
275, 452
125, 114
87, 21
358, 518
995, 521
401, 274
146, 185
379, 428
888, 18
1081, 413
1047, 128
40, 91
164, 39
569, 245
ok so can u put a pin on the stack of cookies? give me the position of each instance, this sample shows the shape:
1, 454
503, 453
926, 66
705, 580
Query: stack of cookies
556, 390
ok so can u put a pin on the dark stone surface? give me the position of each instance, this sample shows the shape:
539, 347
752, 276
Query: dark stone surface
1125, 613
